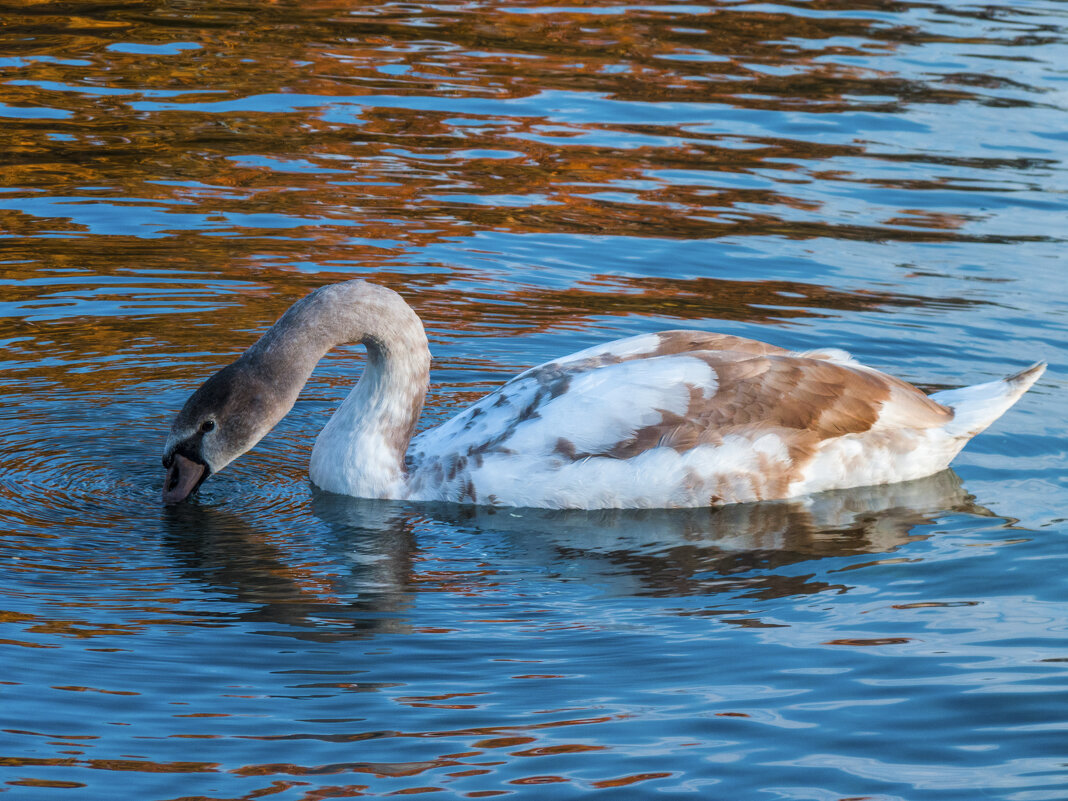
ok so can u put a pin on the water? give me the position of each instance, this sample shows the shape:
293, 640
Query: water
885, 177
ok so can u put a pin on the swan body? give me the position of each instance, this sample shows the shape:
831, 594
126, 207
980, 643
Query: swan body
673, 419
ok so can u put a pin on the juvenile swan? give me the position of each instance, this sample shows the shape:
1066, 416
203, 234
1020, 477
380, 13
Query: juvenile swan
679, 418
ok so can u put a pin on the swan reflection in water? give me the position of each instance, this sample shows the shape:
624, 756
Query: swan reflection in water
356, 574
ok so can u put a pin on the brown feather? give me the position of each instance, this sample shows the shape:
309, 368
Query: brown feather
765, 390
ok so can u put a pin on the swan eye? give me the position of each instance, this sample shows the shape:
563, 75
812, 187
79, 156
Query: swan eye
207, 425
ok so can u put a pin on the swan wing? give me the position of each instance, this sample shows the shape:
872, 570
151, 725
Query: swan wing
674, 419
495, 418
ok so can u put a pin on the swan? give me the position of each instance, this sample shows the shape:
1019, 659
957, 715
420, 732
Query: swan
671, 419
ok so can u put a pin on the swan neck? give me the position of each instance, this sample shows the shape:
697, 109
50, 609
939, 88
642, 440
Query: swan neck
361, 449
353, 311
392, 388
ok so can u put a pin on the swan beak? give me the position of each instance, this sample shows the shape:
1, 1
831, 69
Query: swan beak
183, 477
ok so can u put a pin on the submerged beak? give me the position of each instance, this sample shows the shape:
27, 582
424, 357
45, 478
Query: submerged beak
183, 477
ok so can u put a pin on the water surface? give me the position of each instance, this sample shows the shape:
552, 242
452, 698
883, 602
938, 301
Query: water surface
533, 178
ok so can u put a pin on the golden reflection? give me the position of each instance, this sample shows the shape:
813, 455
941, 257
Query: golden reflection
348, 121
634, 778
474, 762
171, 170
134, 338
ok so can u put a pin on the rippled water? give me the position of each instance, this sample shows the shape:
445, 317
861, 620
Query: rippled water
887, 177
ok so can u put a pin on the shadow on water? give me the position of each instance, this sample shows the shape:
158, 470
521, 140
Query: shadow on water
244, 561
731, 549
373, 552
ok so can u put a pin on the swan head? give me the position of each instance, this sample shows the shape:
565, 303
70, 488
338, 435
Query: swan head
225, 417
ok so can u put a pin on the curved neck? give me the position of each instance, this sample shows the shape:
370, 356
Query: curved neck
361, 449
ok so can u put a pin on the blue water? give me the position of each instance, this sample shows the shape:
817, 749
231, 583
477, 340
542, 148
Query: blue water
534, 179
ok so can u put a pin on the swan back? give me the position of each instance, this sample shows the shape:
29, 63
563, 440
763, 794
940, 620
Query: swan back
679, 418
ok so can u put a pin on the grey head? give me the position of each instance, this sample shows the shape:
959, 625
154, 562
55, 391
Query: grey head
225, 417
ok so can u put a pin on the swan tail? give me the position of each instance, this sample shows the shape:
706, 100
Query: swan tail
976, 407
